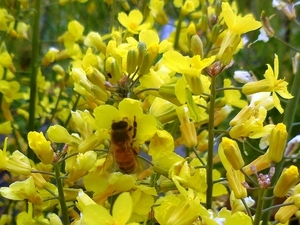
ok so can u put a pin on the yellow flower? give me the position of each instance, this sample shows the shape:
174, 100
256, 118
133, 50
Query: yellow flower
191, 68
232, 97
94, 39
277, 142
271, 83
94, 214
50, 56
165, 161
5, 19
286, 212
187, 128
41, 147
286, 181
248, 123
162, 142
185, 175
157, 10
59, 134
111, 184
5, 128
17, 163
237, 25
84, 162
262, 162
232, 153
21, 190
133, 22
235, 179
142, 201
178, 210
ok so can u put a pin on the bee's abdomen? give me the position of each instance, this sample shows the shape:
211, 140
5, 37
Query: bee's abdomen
125, 161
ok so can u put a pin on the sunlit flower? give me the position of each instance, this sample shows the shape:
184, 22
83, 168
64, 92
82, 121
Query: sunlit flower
133, 21
5, 128
121, 212
261, 162
21, 190
286, 181
5, 19
84, 162
237, 26
157, 11
232, 153
142, 201
191, 68
175, 210
162, 142
271, 83
277, 142
232, 97
286, 212
185, 175
41, 147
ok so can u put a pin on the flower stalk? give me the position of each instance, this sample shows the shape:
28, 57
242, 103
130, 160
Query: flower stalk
210, 150
61, 198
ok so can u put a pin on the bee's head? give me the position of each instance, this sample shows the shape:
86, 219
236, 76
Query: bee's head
120, 125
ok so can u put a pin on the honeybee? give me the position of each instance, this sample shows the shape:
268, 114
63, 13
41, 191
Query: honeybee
122, 152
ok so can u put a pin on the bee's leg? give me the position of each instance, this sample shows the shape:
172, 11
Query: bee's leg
134, 128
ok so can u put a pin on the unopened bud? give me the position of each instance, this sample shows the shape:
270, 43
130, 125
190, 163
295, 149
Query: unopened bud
113, 69
197, 46
286, 181
277, 142
232, 153
132, 60
214, 33
204, 23
142, 50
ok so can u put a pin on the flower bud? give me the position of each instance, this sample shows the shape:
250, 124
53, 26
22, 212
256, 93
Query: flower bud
262, 162
132, 60
286, 212
286, 181
188, 131
204, 23
167, 91
59, 134
232, 153
142, 50
195, 83
277, 142
41, 147
214, 33
235, 179
197, 46
99, 93
113, 69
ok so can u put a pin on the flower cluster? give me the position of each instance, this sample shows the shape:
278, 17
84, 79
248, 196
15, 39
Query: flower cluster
144, 120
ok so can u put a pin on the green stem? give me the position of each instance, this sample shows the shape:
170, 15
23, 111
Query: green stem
34, 69
287, 44
247, 209
259, 207
210, 150
229, 88
289, 115
62, 201
178, 30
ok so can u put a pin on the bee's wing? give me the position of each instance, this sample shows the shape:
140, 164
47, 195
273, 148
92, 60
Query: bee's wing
109, 164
